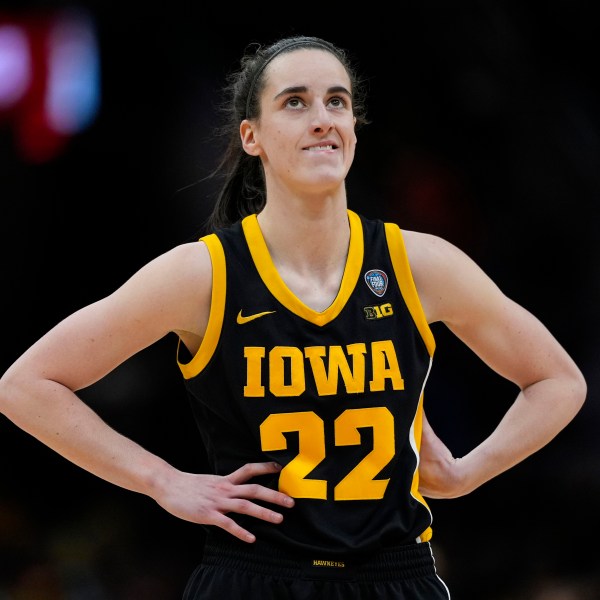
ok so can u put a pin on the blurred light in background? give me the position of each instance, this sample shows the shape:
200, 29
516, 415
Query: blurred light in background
15, 65
73, 76
49, 79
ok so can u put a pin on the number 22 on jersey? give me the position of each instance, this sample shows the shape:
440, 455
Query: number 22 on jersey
359, 483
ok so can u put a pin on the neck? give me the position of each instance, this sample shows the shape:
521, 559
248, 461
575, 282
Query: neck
310, 235
309, 249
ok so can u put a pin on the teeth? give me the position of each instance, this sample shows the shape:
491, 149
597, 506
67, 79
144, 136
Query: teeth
329, 147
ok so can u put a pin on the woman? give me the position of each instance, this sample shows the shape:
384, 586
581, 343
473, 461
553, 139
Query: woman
305, 346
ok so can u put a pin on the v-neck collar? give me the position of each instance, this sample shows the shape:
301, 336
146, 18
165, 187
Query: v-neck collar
276, 285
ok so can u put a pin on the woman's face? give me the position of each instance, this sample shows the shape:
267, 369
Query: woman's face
305, 135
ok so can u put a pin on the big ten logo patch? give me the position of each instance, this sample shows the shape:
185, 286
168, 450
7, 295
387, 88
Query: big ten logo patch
378, 312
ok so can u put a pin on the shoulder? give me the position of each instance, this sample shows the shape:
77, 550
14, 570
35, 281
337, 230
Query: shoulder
188, 260
176, 268
432, 257
173, 288
429, 250
448, 280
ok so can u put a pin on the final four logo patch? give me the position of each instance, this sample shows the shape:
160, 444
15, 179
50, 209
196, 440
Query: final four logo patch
377, 281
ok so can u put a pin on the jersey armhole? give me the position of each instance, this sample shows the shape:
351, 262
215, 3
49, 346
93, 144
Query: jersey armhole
216, 314
407, 285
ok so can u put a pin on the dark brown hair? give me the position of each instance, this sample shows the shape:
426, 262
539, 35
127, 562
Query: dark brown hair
243, 190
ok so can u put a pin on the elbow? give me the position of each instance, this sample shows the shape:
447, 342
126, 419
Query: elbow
12, 395
579, 394
6, 396
573, 392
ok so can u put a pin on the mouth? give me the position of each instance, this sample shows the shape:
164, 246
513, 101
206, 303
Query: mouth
321, 148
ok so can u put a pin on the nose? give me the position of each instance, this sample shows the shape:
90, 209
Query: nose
321, 118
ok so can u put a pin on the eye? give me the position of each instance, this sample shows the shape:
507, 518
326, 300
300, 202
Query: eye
338, 102
294, 102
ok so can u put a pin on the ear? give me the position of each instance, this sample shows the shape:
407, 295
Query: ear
249, 143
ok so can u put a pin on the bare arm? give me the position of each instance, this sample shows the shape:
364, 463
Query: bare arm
510, 340
170, 294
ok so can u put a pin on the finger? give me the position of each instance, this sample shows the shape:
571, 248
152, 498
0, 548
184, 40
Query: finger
255, 491
250, 470
246, 507
230, 526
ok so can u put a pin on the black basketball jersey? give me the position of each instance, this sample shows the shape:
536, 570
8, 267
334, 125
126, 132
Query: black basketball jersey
335, 396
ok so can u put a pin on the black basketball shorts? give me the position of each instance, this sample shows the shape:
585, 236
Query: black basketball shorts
232, 570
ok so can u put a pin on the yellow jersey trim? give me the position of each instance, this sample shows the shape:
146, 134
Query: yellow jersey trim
276, 285
408, 290
407, 283
217, 309
416, 433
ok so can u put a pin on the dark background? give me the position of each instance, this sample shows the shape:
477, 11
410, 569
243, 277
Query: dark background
485, 130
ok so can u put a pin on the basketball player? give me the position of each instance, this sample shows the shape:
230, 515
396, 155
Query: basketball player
305, 345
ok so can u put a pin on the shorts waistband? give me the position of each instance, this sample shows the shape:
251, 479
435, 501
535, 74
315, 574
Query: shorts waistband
398, 563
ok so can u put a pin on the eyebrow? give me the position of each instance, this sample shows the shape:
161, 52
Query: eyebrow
302, 89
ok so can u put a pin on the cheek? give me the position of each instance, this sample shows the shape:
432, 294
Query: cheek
352, 140
276, 145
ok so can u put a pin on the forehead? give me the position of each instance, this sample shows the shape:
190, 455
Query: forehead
308, 67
